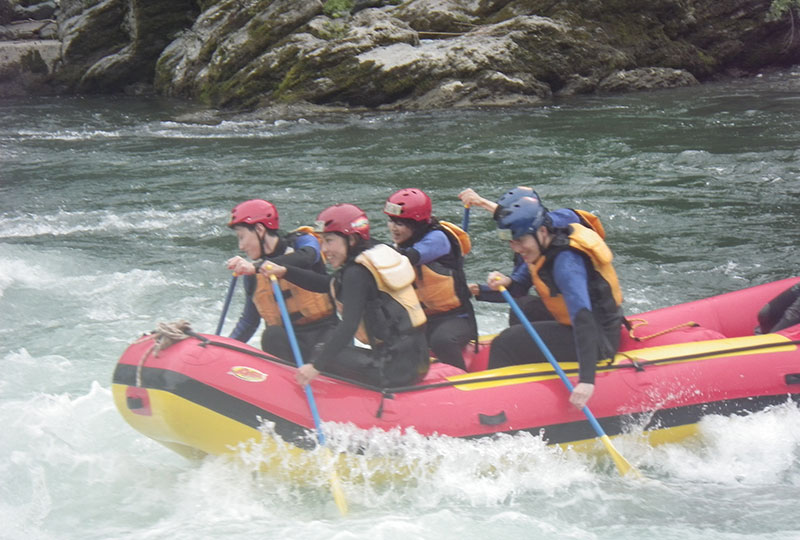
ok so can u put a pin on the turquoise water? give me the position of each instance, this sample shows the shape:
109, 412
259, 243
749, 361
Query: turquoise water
112, 218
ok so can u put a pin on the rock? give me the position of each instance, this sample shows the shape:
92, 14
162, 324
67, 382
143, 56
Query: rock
646, 79
22, 30
388, 54
6, 12
26, 66
577, 84
37, 12
438, 17
231, 57
115, 43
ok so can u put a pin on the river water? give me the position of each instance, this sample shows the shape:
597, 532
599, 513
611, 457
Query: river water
112, 218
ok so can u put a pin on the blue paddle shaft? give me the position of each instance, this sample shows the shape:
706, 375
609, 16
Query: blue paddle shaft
298, 357
465, 219
550, 358
231, 288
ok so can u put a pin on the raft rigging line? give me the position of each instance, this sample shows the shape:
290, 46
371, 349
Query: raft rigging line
164, 336
642, 322
168, 334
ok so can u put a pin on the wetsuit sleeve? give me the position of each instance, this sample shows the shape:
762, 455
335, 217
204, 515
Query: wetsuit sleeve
432, 246
356, 284
572, 280
305, 254
308, 279
250, 318
521, 284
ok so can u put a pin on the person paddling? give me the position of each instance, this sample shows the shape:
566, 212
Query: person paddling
518, 283
570, 266
256, 225
372, 286
436, 249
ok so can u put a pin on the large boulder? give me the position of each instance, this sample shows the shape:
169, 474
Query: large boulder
443, 53
232, 56
237, 54
646, 79
29, 50
110, 45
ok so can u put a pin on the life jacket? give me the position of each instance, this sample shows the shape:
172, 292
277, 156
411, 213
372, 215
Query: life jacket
397, 310
604, 290
591, 221
304, 307
442, 287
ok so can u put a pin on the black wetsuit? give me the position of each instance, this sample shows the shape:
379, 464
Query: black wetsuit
781, 312
401, 357
450, 331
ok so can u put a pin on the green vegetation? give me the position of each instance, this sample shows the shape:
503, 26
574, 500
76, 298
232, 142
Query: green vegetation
779, 8
338, 8
334, 30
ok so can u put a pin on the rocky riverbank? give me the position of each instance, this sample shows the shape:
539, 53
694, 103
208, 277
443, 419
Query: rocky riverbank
238, 55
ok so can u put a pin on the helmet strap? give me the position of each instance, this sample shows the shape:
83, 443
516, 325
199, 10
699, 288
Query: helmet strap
262, 237
538, 242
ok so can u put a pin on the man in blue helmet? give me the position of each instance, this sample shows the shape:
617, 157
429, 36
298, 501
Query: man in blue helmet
519, 282
570, 267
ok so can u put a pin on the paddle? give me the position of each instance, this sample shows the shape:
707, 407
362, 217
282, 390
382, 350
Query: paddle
231, 288
621, 463
336, 487
465, 219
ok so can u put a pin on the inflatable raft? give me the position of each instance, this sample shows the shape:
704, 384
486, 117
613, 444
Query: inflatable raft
207, 394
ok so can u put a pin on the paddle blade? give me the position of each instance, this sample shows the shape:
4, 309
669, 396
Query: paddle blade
336, 485
622, 464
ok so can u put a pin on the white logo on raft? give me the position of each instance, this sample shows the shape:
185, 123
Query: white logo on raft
247, 374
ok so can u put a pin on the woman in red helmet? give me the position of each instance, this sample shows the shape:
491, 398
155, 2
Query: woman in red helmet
256, 225
436, 249
372, 285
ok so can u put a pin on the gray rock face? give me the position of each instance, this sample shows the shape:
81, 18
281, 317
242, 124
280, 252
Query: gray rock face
29, 48
646, 79
392, 54
112, 44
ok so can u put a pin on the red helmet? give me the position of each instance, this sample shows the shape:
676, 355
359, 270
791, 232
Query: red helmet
254, 211
343, 218
409, 203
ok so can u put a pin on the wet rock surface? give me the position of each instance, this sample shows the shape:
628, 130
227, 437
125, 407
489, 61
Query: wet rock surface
239, 55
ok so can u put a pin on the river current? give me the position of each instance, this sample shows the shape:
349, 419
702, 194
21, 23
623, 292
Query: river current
112, 219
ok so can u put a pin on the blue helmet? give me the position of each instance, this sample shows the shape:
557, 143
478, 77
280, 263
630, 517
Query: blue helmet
510, 197
522, 217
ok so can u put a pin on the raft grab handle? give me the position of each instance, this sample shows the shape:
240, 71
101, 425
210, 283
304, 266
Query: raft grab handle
492, 420
792, 378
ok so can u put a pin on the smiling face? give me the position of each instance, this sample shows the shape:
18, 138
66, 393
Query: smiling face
527, 247
334, 247
399, 230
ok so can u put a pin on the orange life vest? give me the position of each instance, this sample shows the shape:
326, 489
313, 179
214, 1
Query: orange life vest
305, 307
436, 283
590, 243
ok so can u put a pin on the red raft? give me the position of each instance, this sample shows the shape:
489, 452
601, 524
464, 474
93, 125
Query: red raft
209, 395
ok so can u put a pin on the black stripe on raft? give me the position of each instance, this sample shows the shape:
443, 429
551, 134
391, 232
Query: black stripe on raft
251, 415
654, 420
211, 398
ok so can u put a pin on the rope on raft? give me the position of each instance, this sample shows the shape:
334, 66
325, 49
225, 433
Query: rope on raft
635, 363
165, 335
629, 324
